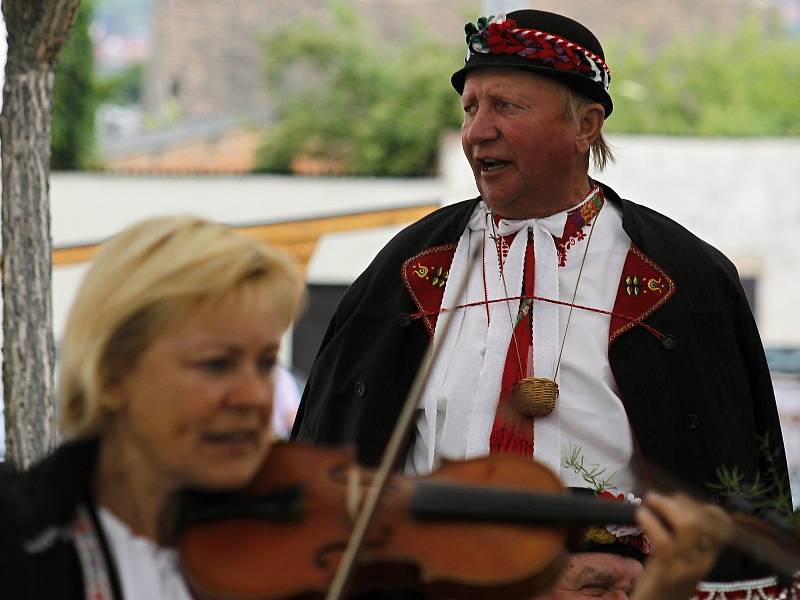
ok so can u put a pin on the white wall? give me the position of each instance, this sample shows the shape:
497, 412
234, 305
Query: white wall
90, 207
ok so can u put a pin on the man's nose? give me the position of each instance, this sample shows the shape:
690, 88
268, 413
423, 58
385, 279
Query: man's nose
481, 128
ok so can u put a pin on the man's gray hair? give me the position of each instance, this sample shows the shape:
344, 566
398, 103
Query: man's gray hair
600, 149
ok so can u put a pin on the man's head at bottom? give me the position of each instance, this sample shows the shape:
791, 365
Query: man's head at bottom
596, 575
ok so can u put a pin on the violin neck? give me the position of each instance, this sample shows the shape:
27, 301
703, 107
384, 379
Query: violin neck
439, 500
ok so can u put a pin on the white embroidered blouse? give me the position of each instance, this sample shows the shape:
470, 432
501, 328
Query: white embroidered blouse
145, 569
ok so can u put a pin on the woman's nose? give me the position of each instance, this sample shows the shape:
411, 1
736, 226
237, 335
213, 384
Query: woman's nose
253, 389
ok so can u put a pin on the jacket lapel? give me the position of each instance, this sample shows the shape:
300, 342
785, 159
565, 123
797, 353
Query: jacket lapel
644, 287
425, 276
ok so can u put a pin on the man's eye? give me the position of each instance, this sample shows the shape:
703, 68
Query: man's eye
595, 589
469, 109
502, 104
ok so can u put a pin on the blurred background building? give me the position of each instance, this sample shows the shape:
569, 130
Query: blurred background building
201, 65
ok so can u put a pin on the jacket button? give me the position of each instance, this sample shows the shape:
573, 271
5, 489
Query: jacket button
361, 389
691, 421
716, 498
403, 320
669, 342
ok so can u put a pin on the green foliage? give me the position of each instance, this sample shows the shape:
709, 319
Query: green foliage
76, 98
767, 491
372, 107
594, 475
740, 83
124, 86
359, 104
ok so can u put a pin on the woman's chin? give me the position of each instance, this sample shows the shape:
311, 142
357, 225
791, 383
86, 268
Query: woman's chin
230, 474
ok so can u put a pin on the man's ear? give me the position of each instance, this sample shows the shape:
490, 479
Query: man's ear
590, 124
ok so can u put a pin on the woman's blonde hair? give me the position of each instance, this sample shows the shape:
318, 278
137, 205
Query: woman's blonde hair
146, 279
600, 148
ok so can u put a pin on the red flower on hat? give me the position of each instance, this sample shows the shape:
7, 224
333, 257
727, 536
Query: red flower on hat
501, 39
503, 45
606, 495
504, 25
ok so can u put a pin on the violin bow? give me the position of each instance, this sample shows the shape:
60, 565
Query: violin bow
399, 435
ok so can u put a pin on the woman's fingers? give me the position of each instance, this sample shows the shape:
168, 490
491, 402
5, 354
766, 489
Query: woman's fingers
688, 524
686, 537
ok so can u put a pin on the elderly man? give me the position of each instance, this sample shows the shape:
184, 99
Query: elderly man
591, 329
616, 562
686, 538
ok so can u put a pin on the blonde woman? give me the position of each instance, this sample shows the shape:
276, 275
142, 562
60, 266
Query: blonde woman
165, 383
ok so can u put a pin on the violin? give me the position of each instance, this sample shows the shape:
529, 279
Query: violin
484, 528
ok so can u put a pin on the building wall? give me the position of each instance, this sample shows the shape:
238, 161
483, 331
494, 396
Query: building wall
233, 151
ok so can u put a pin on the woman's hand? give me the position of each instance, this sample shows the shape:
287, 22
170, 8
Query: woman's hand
686, 537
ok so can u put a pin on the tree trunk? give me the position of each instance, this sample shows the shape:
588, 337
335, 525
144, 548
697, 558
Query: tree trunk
36, 31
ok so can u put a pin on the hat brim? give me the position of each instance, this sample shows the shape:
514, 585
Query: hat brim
577, 82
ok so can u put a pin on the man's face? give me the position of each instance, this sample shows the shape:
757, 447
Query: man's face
596, 575
517, 140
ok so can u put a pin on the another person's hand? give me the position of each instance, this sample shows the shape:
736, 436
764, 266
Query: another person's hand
686, 537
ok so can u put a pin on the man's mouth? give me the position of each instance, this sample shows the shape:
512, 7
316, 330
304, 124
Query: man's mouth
489, 165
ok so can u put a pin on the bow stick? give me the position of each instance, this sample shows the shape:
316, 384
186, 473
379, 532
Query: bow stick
400, 433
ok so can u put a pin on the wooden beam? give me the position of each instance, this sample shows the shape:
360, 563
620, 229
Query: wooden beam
297, 238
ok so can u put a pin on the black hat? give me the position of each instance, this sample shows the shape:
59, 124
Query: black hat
550, 44
628, 541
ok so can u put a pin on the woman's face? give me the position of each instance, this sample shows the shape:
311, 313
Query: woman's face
195, 410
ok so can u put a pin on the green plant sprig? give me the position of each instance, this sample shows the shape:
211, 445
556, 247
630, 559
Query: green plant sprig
594, 474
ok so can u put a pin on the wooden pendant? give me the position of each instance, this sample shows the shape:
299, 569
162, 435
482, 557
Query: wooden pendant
535, 396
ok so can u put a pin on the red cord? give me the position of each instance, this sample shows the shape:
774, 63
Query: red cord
652, 330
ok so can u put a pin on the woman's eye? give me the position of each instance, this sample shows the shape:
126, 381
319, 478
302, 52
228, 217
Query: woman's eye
216, 365
265, 365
